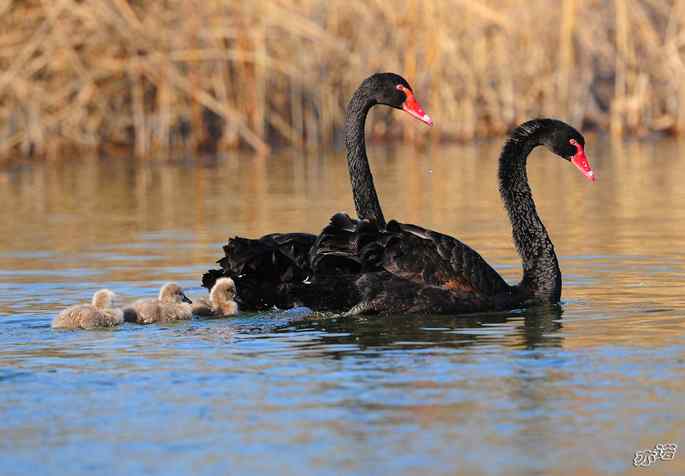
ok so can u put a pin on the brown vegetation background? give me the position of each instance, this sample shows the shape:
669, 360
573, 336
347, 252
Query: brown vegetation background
202, 74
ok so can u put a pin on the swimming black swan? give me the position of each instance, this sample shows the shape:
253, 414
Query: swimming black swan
361, 267
267, 270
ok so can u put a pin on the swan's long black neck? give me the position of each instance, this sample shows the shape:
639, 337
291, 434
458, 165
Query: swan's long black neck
365, 197
541, 273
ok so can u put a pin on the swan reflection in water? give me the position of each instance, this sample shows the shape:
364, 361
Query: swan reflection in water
528, 329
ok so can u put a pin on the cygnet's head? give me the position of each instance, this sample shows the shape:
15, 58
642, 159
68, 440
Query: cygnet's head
222, 291
173, 293
103, 299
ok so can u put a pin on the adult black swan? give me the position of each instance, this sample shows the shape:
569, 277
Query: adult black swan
361, 267
267, 271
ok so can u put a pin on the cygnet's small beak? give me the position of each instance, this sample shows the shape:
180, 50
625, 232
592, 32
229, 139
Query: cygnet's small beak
186, 299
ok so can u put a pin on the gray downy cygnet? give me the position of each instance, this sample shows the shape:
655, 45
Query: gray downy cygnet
221, 300
100, 313
171, 305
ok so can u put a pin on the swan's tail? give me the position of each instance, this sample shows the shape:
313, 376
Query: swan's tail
267, 271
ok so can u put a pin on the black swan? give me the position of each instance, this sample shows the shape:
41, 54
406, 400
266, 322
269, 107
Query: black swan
363, 268
267, 270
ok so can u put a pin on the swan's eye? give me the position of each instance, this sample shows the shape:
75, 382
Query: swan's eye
401, 88
573, 142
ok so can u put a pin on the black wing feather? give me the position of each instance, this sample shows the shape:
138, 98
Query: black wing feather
267, 270
402, 268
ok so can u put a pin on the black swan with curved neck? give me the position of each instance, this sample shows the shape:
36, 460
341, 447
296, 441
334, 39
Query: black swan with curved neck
402, 268
268, 271
384, 88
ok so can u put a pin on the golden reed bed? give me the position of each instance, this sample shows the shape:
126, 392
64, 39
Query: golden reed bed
201, 74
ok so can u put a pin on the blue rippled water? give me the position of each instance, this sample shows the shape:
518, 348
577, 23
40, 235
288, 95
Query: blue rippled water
574, 389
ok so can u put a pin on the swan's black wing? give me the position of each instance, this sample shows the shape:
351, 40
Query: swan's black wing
435, 259
267, 270
402, 268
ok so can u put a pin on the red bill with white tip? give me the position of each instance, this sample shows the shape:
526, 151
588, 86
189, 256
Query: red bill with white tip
412, 106
581, 163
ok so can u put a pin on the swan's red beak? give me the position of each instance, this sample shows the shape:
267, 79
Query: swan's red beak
412, 106
581, 163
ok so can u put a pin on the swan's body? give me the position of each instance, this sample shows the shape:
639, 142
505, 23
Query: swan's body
265, 270
269, 270
402, 268
171, 305
221, 300
100, 313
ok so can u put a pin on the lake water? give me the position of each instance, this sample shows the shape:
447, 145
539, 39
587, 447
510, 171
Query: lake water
573, 390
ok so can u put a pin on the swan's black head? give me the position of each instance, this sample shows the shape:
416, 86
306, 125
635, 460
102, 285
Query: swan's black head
393, 90
567, 142
562, 139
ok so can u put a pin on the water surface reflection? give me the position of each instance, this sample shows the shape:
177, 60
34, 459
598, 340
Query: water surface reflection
570, 389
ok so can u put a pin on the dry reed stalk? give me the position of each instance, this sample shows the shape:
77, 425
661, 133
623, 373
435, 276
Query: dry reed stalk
220, 73
568, 16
